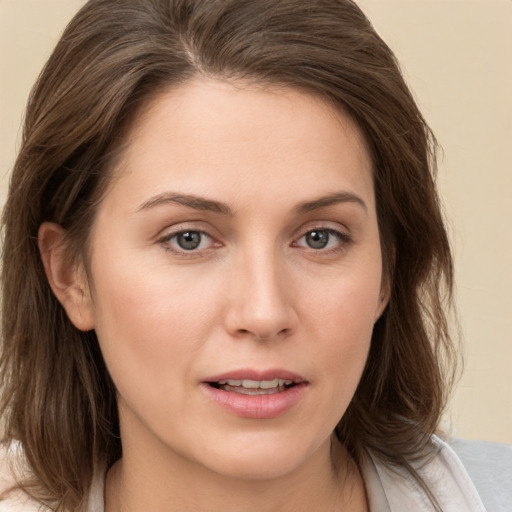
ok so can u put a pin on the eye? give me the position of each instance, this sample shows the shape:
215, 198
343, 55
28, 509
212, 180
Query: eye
188, 241
323, 239
317, 239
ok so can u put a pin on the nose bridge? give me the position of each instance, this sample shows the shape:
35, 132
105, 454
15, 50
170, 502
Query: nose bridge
261, 303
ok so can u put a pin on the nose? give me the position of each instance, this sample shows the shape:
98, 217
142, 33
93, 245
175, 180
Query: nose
261, 302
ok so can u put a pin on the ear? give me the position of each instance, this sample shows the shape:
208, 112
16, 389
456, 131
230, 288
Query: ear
384, 296
388, 265
66, 277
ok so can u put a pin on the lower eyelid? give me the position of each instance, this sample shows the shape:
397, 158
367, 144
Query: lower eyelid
343, 238
169, 240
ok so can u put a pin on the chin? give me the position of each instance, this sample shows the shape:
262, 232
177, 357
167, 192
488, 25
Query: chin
257, 467
265, 458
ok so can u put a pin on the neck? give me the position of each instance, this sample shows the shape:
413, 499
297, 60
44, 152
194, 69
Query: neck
328, 482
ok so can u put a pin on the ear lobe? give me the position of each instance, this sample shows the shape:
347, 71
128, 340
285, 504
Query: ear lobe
389, 258
384, 296
67, 278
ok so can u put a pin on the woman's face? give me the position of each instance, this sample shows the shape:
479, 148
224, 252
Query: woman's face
235, 276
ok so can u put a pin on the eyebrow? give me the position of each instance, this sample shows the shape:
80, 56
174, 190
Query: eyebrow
203, 204
191, 201
331, 199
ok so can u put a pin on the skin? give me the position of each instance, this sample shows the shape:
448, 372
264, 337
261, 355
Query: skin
254, 294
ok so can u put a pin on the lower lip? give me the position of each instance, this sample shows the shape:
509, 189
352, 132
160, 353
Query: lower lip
257, 406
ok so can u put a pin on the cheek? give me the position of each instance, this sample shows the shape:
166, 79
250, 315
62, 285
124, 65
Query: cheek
150, 323
340, 319
346, 329
345, 304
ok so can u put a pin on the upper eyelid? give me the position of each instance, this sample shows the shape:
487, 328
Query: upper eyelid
173, 234
181, 227
333, 226
332, 231
341, 235
165, 242
207, 229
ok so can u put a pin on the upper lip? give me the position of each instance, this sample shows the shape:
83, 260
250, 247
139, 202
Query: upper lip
257, 375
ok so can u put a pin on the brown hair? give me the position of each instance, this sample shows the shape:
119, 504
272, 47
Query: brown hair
56, 395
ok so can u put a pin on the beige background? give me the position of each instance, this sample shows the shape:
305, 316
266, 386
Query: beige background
457, 56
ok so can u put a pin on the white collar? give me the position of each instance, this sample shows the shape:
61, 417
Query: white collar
395, 490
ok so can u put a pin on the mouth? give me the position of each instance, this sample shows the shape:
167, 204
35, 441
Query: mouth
256, 395
253, 387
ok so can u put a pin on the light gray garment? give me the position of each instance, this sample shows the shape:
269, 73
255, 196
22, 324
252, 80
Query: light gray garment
397, 491
490, 467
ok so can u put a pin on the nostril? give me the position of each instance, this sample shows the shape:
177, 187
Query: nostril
263, 336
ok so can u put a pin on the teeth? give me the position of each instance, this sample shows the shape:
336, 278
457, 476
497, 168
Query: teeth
264, 384
231, 382
256, 384
247, 391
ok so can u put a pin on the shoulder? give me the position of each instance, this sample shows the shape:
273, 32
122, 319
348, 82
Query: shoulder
11, 466
489, 466
443, 475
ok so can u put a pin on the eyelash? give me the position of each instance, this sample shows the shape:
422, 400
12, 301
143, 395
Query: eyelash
166, 242
343, 241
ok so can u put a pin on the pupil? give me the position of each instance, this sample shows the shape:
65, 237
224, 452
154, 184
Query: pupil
189, 240
317, 239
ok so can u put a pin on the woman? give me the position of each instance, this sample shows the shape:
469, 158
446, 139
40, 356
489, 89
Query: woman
225, 269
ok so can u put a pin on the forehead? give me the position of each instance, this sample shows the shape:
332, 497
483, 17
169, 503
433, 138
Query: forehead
213, 136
